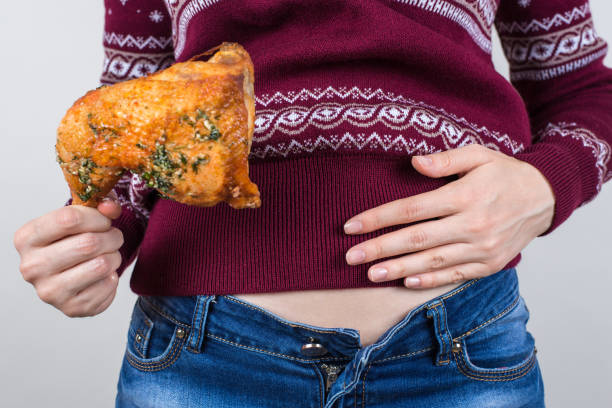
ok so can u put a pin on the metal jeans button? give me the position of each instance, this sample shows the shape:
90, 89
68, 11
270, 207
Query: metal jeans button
313, 348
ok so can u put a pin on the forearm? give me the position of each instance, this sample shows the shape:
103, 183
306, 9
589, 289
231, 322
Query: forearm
556, 64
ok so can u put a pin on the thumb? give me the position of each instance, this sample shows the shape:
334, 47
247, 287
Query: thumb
454, 161
109, 206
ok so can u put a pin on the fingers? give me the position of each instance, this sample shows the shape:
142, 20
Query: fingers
446, 200
426, 261
443, 201
75, 280
106, 303
460, 160
413, 238
70, 256
91, 300
110, 207
39, 263
60, 223
58, 288
83, 303
452, 275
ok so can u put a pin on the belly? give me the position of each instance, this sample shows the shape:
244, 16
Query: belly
371, 311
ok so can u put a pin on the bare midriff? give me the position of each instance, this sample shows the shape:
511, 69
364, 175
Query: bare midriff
371, 311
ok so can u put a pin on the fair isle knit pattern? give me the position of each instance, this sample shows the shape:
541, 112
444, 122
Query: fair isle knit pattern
474, 16
124, 65
128, 41
345, 93
136, 43
330, 109
554, 46
132, 192
190, 10
600, 148
545, 24
143, 49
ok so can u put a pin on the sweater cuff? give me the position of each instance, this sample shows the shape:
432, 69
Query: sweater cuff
569, 166
133, 232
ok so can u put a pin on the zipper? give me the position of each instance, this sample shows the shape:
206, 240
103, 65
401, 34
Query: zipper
331, 374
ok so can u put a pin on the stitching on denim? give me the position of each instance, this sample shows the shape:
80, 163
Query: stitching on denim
172, 356
200, 322
145, 338
136, 346
235, 300
319, 382
202, 317
198, 326
221, 339
442, 337
460, 290
147, 320
164, 314
320, 388
175, 342
434, 305
363, 391
499, 379
189, 348
486, 372
411, 354
521, 371
502, 313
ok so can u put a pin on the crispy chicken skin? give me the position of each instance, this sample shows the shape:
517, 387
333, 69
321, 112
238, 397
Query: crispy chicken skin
186, 130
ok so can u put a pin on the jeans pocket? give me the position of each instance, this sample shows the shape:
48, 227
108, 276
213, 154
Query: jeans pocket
155, 341
502, 350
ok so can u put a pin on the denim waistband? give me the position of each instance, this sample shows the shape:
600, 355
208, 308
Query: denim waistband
431, 326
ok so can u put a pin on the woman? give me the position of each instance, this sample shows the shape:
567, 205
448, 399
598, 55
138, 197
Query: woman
370, 275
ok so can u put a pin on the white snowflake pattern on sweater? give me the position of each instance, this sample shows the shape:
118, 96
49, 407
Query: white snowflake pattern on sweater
156, 16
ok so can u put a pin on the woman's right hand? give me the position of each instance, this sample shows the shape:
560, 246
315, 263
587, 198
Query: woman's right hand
71, 255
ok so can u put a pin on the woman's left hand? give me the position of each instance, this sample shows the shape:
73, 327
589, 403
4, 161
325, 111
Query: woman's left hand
481, 220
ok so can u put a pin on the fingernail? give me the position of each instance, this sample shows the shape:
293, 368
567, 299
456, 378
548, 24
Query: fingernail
379, 274
424, 160
352, 227
109, 199
412, 282
355, 255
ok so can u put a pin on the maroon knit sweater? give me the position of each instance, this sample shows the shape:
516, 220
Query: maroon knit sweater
346, 92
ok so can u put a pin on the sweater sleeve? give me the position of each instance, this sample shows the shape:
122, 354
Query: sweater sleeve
137, 41
556, 64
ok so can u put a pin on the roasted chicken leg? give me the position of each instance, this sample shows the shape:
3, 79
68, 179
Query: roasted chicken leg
186, 131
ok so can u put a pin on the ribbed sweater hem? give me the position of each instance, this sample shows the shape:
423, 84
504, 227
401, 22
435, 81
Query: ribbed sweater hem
294, 241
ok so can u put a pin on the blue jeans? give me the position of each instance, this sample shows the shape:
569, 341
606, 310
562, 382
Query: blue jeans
466, 348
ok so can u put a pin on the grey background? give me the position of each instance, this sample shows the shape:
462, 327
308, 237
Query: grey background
51, 54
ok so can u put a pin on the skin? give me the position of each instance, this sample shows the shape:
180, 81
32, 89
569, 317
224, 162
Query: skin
470, 228
484, 218
480, 222
70, 256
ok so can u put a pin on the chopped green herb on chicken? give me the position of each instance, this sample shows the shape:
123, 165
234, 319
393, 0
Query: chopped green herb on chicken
198, 161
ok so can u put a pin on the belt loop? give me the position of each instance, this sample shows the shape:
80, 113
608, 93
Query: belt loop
198, 323
437, 312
